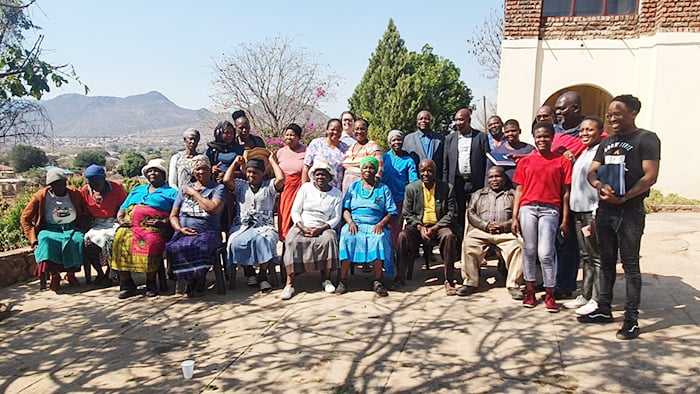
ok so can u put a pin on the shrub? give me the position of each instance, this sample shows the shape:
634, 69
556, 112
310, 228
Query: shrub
11, 234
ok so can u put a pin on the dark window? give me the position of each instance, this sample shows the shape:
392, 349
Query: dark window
588, 7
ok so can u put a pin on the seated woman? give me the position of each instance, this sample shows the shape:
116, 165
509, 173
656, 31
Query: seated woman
367, 209
144, 229
180, 172
312, 243
103, 199
253, 237
53, 221
196, 220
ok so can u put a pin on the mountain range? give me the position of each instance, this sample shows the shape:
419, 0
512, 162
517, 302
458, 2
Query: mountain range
76, 115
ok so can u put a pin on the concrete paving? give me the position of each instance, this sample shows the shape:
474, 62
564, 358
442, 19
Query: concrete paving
416, 340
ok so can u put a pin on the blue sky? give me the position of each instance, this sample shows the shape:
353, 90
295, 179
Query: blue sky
126, 47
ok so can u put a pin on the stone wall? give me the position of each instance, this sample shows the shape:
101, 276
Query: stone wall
523, 20
16, 266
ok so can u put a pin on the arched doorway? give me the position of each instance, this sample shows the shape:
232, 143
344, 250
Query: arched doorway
594, 99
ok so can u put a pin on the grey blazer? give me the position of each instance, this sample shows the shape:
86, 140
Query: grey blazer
412, 145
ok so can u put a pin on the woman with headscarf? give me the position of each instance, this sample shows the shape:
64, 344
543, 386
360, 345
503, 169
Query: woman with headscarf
196, 221
363, 147
253, 237
103, 199
291, 160
53, 221
180, 163
364, 239
312, 244
223, 150
144, 229
399, 171
329, 148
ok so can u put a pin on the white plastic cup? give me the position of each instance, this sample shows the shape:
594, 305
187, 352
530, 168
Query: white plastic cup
187, 368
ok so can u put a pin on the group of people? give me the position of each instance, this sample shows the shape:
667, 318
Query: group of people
341, 200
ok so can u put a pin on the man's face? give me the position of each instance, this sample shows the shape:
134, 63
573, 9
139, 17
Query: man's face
545, 114
423, 121
462, 120
495, 126
496, 179
427, 173
620, 117
565, 110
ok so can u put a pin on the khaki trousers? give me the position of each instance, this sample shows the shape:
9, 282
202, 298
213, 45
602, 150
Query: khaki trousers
474, 249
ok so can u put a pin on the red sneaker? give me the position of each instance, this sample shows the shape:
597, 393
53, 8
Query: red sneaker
529, 300
549, 302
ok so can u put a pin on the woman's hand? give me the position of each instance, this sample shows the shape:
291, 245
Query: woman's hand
316, 231
515, 227
378, 228
188, 231
352, 228
564, 228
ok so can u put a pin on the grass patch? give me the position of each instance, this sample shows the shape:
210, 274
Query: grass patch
657, 198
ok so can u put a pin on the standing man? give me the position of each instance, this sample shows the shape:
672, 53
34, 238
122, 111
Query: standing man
425, 143
490, 217
568, 113
429, 210
495, 127
619, 223
465, 160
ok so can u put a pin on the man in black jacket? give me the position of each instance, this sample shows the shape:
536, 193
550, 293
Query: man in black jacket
464, 161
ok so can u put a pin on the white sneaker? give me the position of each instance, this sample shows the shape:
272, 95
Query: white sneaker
590, 307
328, 286
576, 302
287, 292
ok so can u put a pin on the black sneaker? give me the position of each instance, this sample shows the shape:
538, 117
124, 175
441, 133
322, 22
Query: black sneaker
151, 289
342, 288
380, 289
629, 330
596, 317
127, 289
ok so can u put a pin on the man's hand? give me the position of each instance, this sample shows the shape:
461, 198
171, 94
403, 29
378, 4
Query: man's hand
424, 232
493, 228
564, 228
515, 227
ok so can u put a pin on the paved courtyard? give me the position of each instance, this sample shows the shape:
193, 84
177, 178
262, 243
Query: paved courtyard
415, 340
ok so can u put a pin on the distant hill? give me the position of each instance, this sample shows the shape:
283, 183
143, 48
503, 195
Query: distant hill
76, 115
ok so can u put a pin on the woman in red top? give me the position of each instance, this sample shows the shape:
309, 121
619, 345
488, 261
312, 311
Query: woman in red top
541, 199
103, 199
291, 160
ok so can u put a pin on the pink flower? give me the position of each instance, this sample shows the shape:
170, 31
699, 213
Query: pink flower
320, 92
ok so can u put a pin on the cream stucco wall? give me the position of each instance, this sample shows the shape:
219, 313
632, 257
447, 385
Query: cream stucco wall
663, 70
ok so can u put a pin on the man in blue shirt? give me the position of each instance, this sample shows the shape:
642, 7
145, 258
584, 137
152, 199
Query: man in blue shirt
425, 143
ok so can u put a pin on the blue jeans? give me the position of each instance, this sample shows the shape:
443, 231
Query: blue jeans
621, 228
539, 224
590, 257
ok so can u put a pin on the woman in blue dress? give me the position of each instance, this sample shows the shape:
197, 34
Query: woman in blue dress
367, 209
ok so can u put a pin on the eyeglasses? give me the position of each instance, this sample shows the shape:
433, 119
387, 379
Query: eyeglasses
615, 115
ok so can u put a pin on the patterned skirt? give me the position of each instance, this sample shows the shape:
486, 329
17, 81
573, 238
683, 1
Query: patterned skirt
190, 256
310, 254
139, 248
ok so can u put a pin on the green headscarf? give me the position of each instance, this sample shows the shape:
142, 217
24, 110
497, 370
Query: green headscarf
370, 159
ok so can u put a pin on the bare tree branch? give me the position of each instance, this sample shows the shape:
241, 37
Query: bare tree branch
274, 81
485, 43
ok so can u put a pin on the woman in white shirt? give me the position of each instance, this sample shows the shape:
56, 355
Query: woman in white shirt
312, 243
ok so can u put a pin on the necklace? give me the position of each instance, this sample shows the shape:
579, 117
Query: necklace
362, 192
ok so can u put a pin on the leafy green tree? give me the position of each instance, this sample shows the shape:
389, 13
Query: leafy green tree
398, 84
133, 162
23, 73
88, 157
24, 157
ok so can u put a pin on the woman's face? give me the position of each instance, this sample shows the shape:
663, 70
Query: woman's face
291, 139
155, 177
254, 176
543, 139
242, 128
368, 172
228, 134
360, 131
511, 133
396, 143
334, 132
322, 178
202, 174
191, 143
